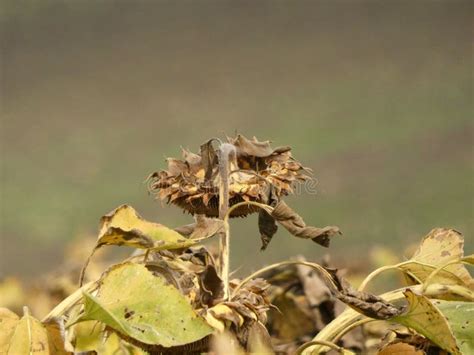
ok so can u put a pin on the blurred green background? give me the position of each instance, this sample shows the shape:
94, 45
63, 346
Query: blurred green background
375, 96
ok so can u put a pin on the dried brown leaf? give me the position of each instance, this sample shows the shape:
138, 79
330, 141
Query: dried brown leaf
267, 228
365, 303
247, 147
294, 224
209, 159
202, 228
211, 286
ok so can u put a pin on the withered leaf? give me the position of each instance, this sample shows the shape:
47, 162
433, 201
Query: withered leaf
209, 159
186, 230
315, 289
258, 340
365, 303
294, 224
289, 320
223, 312
440, 246
267, 228
253, 147
211, 284
176, 166
203, 228
124, 226
193, 160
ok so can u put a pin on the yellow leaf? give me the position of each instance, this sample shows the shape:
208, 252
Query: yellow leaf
123, 226
8, 323
22, 336
427, 320
439, 247
222, 311
214, 322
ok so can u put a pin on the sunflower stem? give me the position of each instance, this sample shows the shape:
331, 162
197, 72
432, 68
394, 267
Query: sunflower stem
226, 153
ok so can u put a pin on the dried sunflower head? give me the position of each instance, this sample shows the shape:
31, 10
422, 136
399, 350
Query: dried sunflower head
257, 173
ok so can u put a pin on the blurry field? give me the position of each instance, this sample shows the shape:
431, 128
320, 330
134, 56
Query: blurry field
376, 97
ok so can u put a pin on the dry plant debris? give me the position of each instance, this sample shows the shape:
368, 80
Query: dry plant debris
172, 297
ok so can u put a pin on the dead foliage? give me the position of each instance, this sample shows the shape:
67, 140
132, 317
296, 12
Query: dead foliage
172, 295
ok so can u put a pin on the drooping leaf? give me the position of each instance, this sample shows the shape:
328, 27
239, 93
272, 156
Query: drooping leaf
211, 285
267, 225
123, 226
460, 316
294, 224
429, 321
143, 307
267, 228
205, 227
438, 248
365, 303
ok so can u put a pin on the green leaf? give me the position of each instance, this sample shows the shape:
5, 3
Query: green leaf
438, 248
139, 305
460, 317
124, 226
427, 320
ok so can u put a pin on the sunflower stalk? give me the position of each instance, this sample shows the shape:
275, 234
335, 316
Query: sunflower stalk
226, 153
